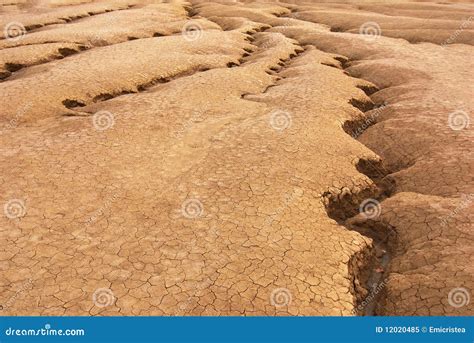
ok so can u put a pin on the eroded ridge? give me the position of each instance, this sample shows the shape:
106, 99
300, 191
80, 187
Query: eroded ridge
228, 158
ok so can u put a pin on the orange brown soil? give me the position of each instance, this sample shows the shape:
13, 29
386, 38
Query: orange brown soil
212, 157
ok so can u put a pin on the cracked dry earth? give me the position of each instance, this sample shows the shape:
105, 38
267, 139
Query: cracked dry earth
215, 158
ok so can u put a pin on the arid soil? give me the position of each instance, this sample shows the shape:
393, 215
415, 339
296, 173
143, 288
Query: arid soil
236, 158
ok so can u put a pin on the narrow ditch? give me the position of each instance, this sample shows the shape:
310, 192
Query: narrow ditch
368, 268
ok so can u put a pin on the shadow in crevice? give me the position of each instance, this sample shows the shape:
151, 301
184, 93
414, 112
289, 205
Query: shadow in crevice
379, 174
72, 103
362, 105
368, 90
13, 67
359, 211
345, 205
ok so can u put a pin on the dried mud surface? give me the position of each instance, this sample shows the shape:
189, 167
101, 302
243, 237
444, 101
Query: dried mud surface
236, 158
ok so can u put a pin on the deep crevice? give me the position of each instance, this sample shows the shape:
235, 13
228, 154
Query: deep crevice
4, 74
368, 90
13, 67
67, 52
343, 60
330, 65
345, 205
358, 125
72, 103
369, 267
355, 127
362, 105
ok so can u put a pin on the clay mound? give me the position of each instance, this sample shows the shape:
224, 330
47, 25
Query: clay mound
38, 16
231, 158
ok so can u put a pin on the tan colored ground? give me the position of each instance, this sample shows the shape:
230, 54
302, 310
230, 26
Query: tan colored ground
211, 158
